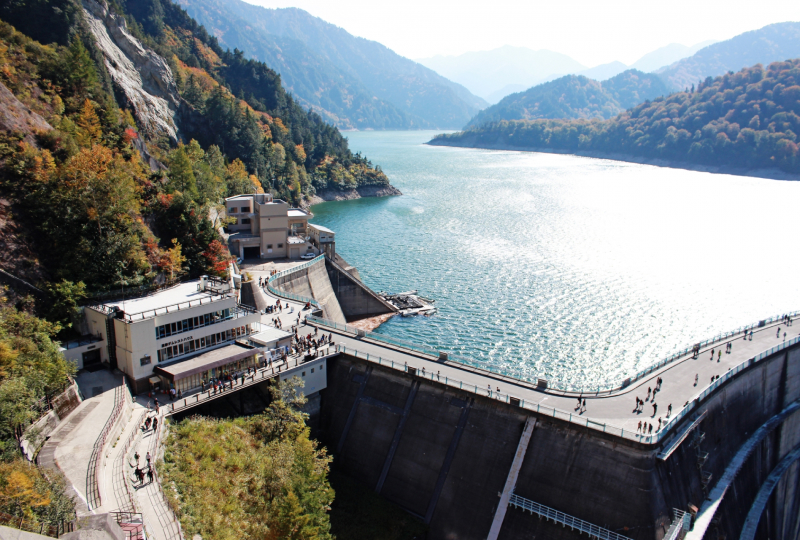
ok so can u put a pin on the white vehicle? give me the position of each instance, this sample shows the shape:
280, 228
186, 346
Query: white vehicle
308, 256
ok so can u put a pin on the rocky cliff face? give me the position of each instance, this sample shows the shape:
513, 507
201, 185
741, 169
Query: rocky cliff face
16, 117
143, 76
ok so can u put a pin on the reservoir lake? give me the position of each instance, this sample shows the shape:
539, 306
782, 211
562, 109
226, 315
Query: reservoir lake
582, 271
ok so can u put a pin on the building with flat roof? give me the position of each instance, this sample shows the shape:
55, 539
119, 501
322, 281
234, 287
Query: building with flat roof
171, 326
323, 239
267, 228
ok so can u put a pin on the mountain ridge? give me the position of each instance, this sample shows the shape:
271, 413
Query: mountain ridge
354, 82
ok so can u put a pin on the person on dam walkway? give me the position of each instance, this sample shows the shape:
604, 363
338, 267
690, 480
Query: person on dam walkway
648, 394
712, 354
669, 410
655, 408
778, 332
638, 429
583, 409
651, 428
696, 378
719, 356
155, 424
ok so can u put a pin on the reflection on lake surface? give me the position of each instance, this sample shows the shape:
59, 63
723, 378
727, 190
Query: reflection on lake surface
578, 270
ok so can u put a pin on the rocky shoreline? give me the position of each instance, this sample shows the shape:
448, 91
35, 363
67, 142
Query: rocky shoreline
354, 193
771, 174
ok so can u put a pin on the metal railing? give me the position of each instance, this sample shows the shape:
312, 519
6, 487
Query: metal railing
173, 526
93, 497
680, 524
291, 296
172, 308
84, 340
573, 418
491, 368
131, 523
53, 531
563, 519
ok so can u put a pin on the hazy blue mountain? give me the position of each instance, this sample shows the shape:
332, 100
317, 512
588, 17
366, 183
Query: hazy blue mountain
497, 95
604, 71
352, 82
772, 43
485, 73
575, 96
669, 54
632, 87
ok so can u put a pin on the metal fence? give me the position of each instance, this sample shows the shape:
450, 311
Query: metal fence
291, 296
564, 519
95, 461
566, 415
486, 366
45, 529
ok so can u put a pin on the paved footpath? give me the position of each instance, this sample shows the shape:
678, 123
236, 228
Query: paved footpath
616, 409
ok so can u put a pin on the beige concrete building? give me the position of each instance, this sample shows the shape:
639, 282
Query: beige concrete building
268, 228
172, 326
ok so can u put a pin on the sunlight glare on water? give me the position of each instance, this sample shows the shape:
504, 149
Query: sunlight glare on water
578, 270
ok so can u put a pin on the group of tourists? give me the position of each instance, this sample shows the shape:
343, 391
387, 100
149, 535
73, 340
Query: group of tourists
150, 422
302, 344
646, 428
140, 472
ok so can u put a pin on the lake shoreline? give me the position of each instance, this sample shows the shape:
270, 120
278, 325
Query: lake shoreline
770, 174
328, 195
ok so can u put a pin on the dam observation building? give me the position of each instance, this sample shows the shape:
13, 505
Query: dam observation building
268, 228
199, 322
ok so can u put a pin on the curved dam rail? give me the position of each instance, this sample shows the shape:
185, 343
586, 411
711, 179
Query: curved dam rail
308, 283
608, 413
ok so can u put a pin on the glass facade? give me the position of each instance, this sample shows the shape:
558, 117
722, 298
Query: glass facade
171, 350
171, 329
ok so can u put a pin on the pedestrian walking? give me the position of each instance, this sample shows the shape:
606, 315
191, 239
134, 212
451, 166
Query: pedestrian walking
147, 457
584, 404
136, 457
655, 408
712, 353
150, 475
669, 410
719, 356
648, 394
697, 376
638, 429
579, 404
778, 332
651, 428
155, 424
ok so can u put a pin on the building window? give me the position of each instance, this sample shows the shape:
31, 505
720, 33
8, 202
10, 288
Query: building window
166, 330
312, 370
233, 210
145, 360
304, 374
280, 246
245, 221
269, 246
245, 209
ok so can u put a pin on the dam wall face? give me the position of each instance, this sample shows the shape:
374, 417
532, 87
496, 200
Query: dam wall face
313, 282
356, 299
444, 455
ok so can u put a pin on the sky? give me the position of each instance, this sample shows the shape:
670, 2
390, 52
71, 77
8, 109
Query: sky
590, 31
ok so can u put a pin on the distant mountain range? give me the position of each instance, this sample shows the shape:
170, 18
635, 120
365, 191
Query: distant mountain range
484, 73
576, 96
497, 73
772, 43
352, 82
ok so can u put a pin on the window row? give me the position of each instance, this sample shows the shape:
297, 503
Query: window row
191, 323
269, 246
175, 351
235, 210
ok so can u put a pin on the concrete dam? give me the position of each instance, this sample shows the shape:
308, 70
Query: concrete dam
477, 455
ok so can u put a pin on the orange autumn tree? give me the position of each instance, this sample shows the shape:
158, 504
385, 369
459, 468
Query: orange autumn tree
218, 257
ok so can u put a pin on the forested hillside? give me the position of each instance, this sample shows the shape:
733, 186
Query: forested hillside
353, 82
71, 141
746, 120
772, 43
575, 96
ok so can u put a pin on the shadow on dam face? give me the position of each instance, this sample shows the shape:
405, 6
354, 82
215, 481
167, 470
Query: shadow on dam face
445, 455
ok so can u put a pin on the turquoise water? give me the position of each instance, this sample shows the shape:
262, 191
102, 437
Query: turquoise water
578, 270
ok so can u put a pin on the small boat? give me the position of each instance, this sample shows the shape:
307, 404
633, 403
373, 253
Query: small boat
409, 303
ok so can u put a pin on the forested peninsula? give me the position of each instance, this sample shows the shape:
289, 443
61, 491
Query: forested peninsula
745, 122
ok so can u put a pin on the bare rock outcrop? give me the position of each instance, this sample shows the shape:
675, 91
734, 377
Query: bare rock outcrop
15, 116
143, 76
